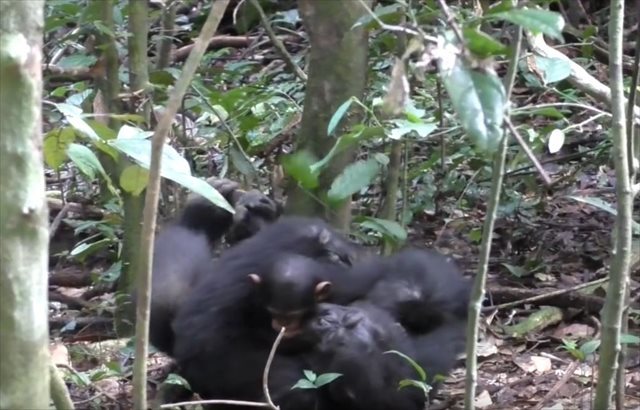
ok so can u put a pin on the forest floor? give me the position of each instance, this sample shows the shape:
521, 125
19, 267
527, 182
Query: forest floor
563, 243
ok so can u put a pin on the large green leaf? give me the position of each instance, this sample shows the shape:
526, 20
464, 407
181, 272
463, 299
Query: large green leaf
55, 146
483, 45
299, 166
85, 160
479, 99
354, 177
389, 229
134, 179
535, 20
173, 167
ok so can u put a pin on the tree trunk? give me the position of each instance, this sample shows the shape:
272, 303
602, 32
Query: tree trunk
24, 353
337, 72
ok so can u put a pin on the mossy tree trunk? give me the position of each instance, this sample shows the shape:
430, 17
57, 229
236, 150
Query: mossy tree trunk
337, 72
24, 353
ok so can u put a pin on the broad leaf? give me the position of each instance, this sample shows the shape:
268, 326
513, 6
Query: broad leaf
134, 179
85, 160
479, 99
483, 45
326, 378
298, 166
354, 177
389, 229
535, 20
55, 146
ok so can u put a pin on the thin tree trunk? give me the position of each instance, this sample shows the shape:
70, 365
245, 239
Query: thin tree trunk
24, 254
337, 71
619, 274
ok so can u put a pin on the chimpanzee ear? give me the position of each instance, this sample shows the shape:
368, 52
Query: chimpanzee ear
324, 236
323, 289
257, 280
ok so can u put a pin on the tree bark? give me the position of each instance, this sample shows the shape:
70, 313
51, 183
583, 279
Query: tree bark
337, 72
24, 353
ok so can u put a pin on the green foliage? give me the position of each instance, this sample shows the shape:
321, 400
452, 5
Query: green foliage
313, 381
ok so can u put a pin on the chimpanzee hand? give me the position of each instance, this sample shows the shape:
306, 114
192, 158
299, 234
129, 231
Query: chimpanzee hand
226, 187
254, 210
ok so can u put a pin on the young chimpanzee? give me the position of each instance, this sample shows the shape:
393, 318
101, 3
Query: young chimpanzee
352, 341
182, 251
223, 331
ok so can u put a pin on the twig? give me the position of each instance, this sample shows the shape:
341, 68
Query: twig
565, 378
398, 29
230, 402
53, 228
151, 202
527, 150
265, 386
288, 60
551, 294
451, 21
265, 376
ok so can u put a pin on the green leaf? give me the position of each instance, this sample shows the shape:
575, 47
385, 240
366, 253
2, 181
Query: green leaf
173, 167
629, 339
304, 384
353, 178
326, 378
553, 69
404, 127
535, 20
241, 162
85, 249
417, 384
176, 379
55, 146
298, 166
310, 375
482, 44
344, 142
517, 271
337, 116
85, 160
387, 14
413, 363
77, 61
134, 179
590, 347
479, 100
599, 203
140, 151
133, 133
74, 116
389, 229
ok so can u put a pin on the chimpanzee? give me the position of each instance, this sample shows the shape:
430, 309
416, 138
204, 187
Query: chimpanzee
182, 251
253, 211
352, 341
422, 289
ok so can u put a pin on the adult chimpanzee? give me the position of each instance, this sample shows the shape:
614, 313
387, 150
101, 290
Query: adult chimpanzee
182, 251
352, 341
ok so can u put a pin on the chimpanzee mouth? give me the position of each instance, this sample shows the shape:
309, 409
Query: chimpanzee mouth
290, 331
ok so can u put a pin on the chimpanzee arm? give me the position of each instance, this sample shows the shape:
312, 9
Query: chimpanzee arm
253, 209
